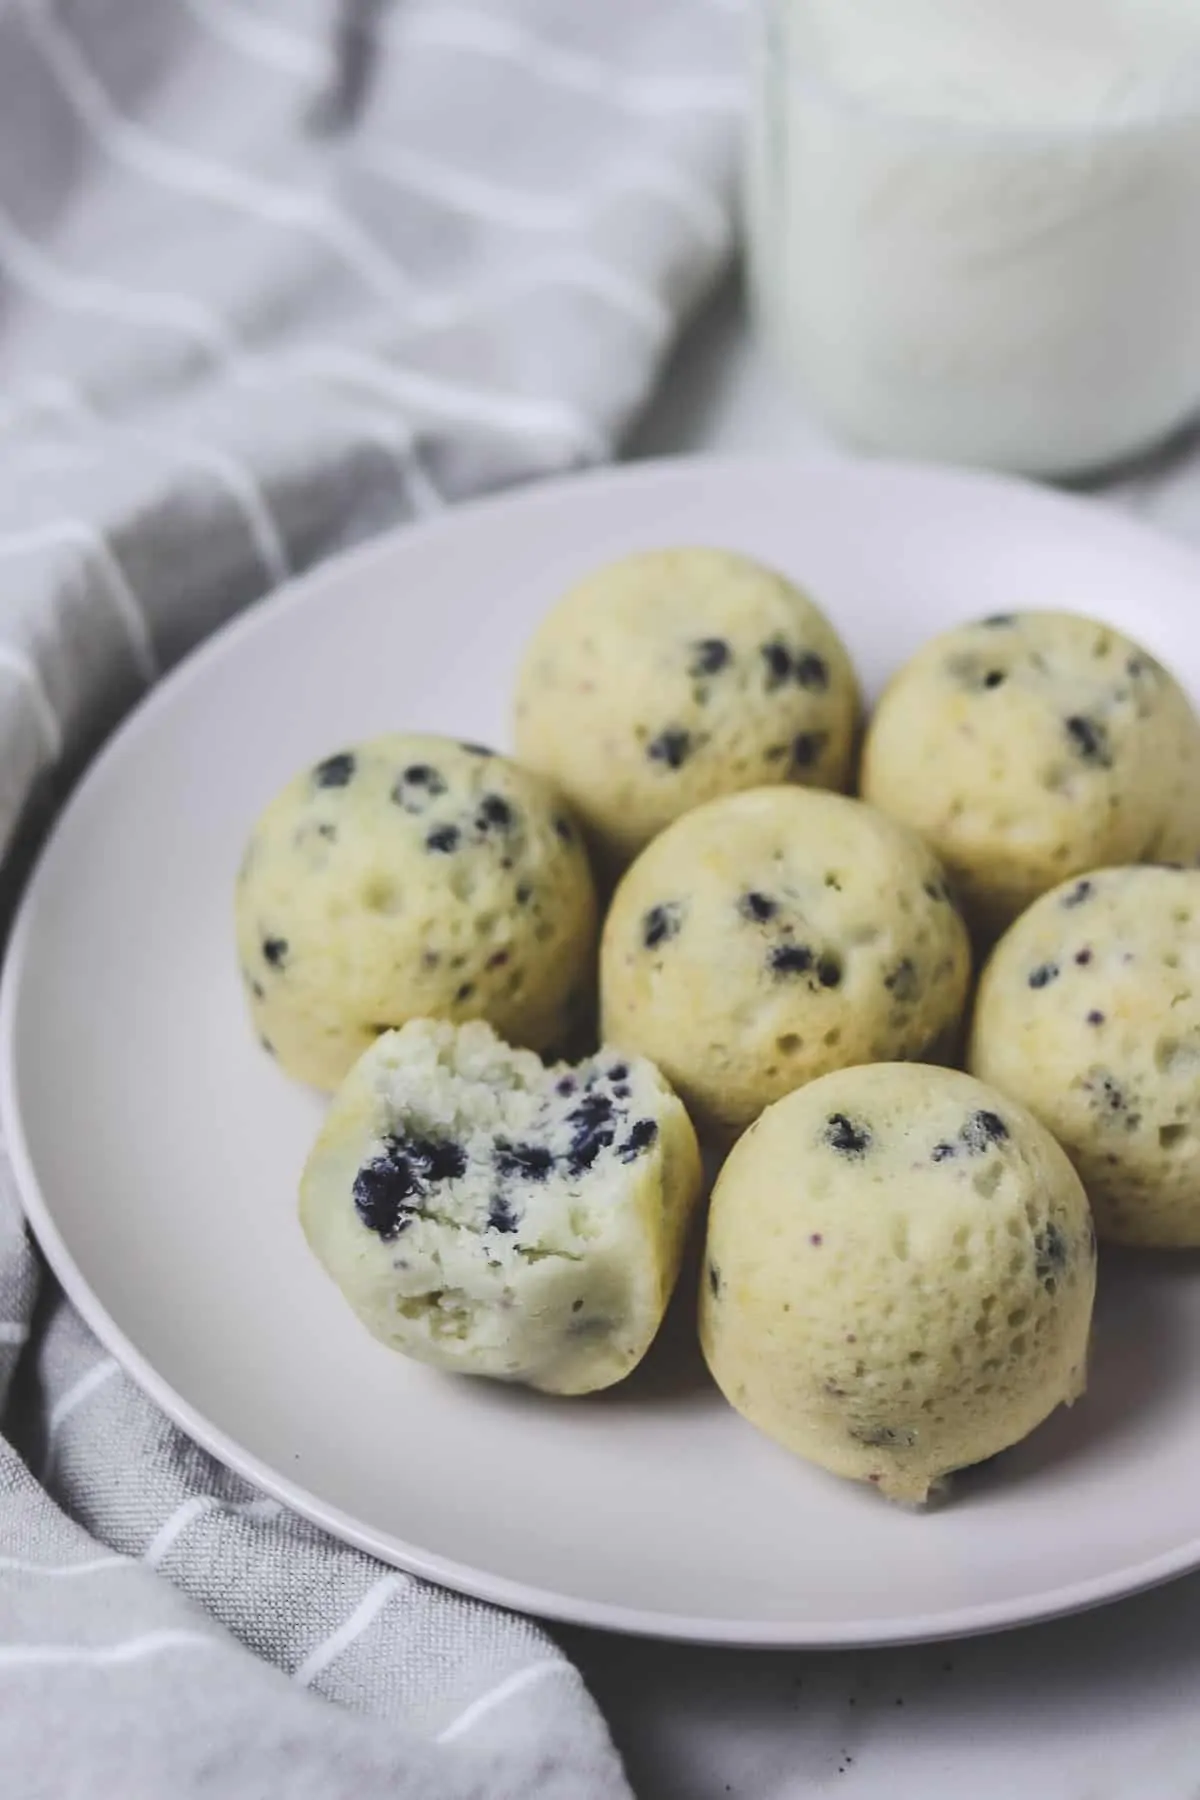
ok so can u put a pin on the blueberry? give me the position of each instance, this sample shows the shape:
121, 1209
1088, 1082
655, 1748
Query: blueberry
476, 749
943, 1151
808, 747
495, 811
672, 747
902, 980
790, 959
714, 1280
982, 1130
779, 663
619, 1072
275, 951
336, 771
564, 829
709, 657
1082, 891
501, 1216
1089, 740
1043, 975
387, 1190
640, 1138
829, 972
524, 894
594, 1131
661, 923
497, 959
420, 775
464, 990
445, 839
1050, 1250
565, 1085
757, 907
811, 671
848, 1138
1095, 1018
526, 1162
1083, 958
994, 678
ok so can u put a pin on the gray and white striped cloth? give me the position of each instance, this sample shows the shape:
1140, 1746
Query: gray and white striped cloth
274, 275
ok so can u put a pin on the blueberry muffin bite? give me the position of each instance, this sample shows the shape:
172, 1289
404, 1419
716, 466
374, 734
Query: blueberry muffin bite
1027, 748
1089, 1013
413, 876
1178, 840
899, 1275
674, 676
772, 936
490, 1216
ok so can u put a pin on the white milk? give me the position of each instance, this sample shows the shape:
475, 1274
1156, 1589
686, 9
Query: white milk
975, 224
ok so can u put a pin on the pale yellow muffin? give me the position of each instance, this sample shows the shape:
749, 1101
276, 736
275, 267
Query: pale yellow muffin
1027, 748
493, 1217
899, 1275
408, 877
771, 936
1179, 839
1089, 1013
673, 676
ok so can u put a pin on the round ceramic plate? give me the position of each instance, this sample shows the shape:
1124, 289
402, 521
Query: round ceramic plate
158, 1148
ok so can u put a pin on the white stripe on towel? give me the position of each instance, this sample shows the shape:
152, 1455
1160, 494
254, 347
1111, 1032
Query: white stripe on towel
82, 534
60, 1412
152, 1643
364, 1614
14, 1565
504, 1690
195, 1508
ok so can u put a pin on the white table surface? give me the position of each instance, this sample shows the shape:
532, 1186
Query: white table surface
1100, 1707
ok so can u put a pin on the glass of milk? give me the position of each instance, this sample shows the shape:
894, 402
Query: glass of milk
974, 225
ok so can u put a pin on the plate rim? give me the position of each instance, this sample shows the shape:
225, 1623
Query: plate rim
543, 1603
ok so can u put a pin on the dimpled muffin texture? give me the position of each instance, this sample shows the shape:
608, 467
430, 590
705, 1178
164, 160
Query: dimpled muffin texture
899, 1275
1089, 1013
1178, 840
771, 936
493, 1217
413, 876
1030, 747
674, 676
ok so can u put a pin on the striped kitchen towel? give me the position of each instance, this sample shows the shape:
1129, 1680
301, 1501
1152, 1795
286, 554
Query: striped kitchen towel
275, 275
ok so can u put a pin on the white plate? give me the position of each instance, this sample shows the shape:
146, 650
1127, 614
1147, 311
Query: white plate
157, 1148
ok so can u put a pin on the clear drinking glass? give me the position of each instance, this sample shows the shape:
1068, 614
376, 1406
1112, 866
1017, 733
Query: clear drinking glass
974, 235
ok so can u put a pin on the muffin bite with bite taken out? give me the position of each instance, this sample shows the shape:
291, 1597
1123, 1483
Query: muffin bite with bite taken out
490, 1216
